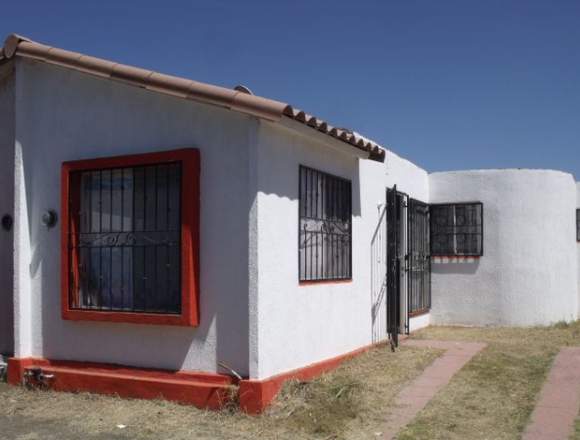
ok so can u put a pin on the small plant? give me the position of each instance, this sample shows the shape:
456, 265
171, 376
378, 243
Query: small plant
323, 406
562, 325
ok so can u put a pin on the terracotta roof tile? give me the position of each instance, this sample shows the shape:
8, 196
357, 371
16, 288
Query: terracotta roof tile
239, 100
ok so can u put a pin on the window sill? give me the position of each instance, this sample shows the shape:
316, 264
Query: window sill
314, 282
130, 317
456, 256
417, 313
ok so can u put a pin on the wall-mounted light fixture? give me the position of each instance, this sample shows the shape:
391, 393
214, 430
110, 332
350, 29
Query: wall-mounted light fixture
7, 222
49, 218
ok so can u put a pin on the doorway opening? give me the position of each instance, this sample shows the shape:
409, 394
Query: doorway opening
408, 266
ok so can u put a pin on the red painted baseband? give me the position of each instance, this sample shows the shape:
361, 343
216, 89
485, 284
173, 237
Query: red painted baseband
203, 390
256, 395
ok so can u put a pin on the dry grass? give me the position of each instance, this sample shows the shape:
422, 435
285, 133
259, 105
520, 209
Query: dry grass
493, 396
349, 403
576, 434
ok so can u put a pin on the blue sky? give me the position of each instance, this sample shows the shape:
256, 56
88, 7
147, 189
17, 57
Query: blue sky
452, 84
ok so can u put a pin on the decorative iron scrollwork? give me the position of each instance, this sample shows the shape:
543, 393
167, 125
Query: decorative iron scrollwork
119, 239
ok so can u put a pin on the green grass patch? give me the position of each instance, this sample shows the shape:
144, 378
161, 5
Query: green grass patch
493, 396
576, 434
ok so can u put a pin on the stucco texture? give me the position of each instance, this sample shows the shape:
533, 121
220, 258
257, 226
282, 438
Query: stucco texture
528, 273
65, 115
294, 325
255, 316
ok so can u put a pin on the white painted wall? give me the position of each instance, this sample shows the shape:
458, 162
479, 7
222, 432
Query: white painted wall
295, 325
65, 115
528, 273
255, 316
6, 207
419, 322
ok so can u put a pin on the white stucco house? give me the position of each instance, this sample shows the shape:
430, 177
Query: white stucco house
164, 237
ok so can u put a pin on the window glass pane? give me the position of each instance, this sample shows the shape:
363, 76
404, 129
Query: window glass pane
138, 215
127, 199
457, 229
127, 249
117, 200
94, 202
442, 229
105, 191
174, 197
325, 226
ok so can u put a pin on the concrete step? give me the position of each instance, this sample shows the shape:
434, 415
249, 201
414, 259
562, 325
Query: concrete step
204, 390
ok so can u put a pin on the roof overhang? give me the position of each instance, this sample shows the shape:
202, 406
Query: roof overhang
335, 144
235, 100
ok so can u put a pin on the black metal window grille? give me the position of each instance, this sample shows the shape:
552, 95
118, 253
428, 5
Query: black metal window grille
578, 225
128, 241
456, 229
419, 269
325, 213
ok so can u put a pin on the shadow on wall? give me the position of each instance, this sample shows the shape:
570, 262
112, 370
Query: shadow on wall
379, 279
282, 178
467, 267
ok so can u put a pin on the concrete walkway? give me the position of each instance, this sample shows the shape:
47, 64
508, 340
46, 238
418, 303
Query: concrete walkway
418, 393
554, 415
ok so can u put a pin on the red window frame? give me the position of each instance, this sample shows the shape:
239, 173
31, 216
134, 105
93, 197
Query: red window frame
190, 200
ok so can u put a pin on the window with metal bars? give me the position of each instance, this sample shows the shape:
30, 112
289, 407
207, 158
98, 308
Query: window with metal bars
130, 232
456, 229
325, 239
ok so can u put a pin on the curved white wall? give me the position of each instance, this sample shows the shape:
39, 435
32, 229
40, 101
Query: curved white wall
528, 273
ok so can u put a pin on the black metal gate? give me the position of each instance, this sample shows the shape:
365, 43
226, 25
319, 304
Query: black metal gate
419, 261
394, 210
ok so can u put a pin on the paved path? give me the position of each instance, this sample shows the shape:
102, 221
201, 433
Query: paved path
554, 415
418, 393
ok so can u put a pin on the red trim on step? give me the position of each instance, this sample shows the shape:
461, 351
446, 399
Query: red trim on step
256, 395
204, 390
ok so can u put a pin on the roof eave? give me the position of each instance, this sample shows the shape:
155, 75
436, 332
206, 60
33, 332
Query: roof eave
333, 143
372, 150
263, 108
257, 106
